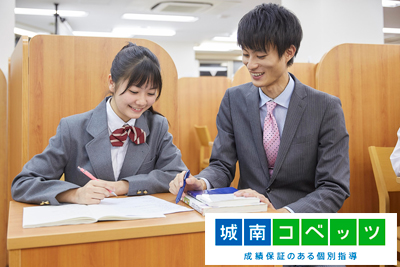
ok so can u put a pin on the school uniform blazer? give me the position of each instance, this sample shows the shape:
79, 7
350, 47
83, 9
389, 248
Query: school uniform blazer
83, 140
311, 172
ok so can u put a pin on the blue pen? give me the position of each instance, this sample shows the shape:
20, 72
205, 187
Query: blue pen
178, 197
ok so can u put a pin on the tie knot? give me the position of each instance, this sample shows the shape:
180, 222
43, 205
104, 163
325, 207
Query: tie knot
270, 106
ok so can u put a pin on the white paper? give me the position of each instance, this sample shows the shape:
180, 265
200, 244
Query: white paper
109, 209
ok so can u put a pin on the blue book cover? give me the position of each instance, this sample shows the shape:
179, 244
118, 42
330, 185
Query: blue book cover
223, 190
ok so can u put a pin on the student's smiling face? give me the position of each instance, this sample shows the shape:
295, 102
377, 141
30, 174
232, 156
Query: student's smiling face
134, 101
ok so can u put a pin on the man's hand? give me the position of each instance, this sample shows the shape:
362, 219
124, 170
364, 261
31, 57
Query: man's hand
253, 193
192, 183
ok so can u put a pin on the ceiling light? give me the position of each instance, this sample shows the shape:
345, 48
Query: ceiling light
216, 46
49, 12
20, 31
391, 30
143, 31
159, 17
386, 3
231, 38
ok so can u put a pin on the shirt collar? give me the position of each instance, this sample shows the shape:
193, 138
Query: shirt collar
283, 99
115, 122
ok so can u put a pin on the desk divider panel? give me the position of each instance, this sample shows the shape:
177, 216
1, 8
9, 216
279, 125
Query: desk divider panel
51, 77
3, 170
68, 75
366, 79
198, 99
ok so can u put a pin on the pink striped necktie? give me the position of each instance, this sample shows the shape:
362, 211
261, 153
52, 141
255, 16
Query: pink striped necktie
271, 139
119, 136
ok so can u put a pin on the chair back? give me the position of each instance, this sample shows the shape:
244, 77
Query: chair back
385, 178
203, 135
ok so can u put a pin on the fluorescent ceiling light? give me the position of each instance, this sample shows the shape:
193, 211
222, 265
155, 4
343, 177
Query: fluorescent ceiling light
232, 38
49, 12
159, 17
20, 31
391, 30
216, 46
127, 32
143, 31
387, 3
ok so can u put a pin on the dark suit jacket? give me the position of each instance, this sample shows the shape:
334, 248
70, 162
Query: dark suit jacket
83, 140
311, 172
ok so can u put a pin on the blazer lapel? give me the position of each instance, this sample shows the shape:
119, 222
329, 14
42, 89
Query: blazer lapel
136, 154
295, 111
99, 148
252, 103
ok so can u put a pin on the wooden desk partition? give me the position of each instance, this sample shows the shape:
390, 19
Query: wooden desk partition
198, 100
3, 170
305, 72
67, 75
366, 79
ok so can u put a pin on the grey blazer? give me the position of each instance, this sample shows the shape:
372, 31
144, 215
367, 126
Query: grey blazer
83, 140
311, 172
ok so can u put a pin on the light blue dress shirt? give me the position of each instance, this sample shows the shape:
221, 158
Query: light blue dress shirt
281, 108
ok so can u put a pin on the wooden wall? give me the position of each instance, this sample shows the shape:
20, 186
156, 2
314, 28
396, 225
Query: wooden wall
3, 170
366, 79
198, 100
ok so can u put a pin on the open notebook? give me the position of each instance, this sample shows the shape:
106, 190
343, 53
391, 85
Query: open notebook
130, 208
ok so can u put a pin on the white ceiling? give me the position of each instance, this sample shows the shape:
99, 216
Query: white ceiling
219, 20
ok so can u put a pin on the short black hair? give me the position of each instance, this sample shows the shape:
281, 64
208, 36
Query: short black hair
270, 25
139, 66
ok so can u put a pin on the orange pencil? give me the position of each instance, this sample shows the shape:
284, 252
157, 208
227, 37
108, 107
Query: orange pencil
88, 174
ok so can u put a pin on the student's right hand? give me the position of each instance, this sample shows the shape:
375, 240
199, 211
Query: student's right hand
92, 193
192, 183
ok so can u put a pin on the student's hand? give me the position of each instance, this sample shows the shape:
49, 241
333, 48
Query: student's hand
192, 183
253, 193
92, 193
120, 187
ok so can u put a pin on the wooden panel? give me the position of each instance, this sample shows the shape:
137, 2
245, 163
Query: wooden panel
366, 79
153, 251
68, 75
198, 100
305, 72
3, 170
16, 108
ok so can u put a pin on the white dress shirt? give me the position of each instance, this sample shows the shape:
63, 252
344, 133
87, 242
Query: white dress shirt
117, 152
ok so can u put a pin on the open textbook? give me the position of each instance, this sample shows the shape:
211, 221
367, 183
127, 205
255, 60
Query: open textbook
130, 208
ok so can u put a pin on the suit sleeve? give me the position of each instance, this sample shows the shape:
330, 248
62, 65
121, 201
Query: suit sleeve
39, 179
222, 167
332, 175
158, 173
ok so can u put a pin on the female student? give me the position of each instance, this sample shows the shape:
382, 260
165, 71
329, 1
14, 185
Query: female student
144, 163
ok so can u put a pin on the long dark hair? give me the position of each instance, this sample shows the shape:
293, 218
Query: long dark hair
140, 66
